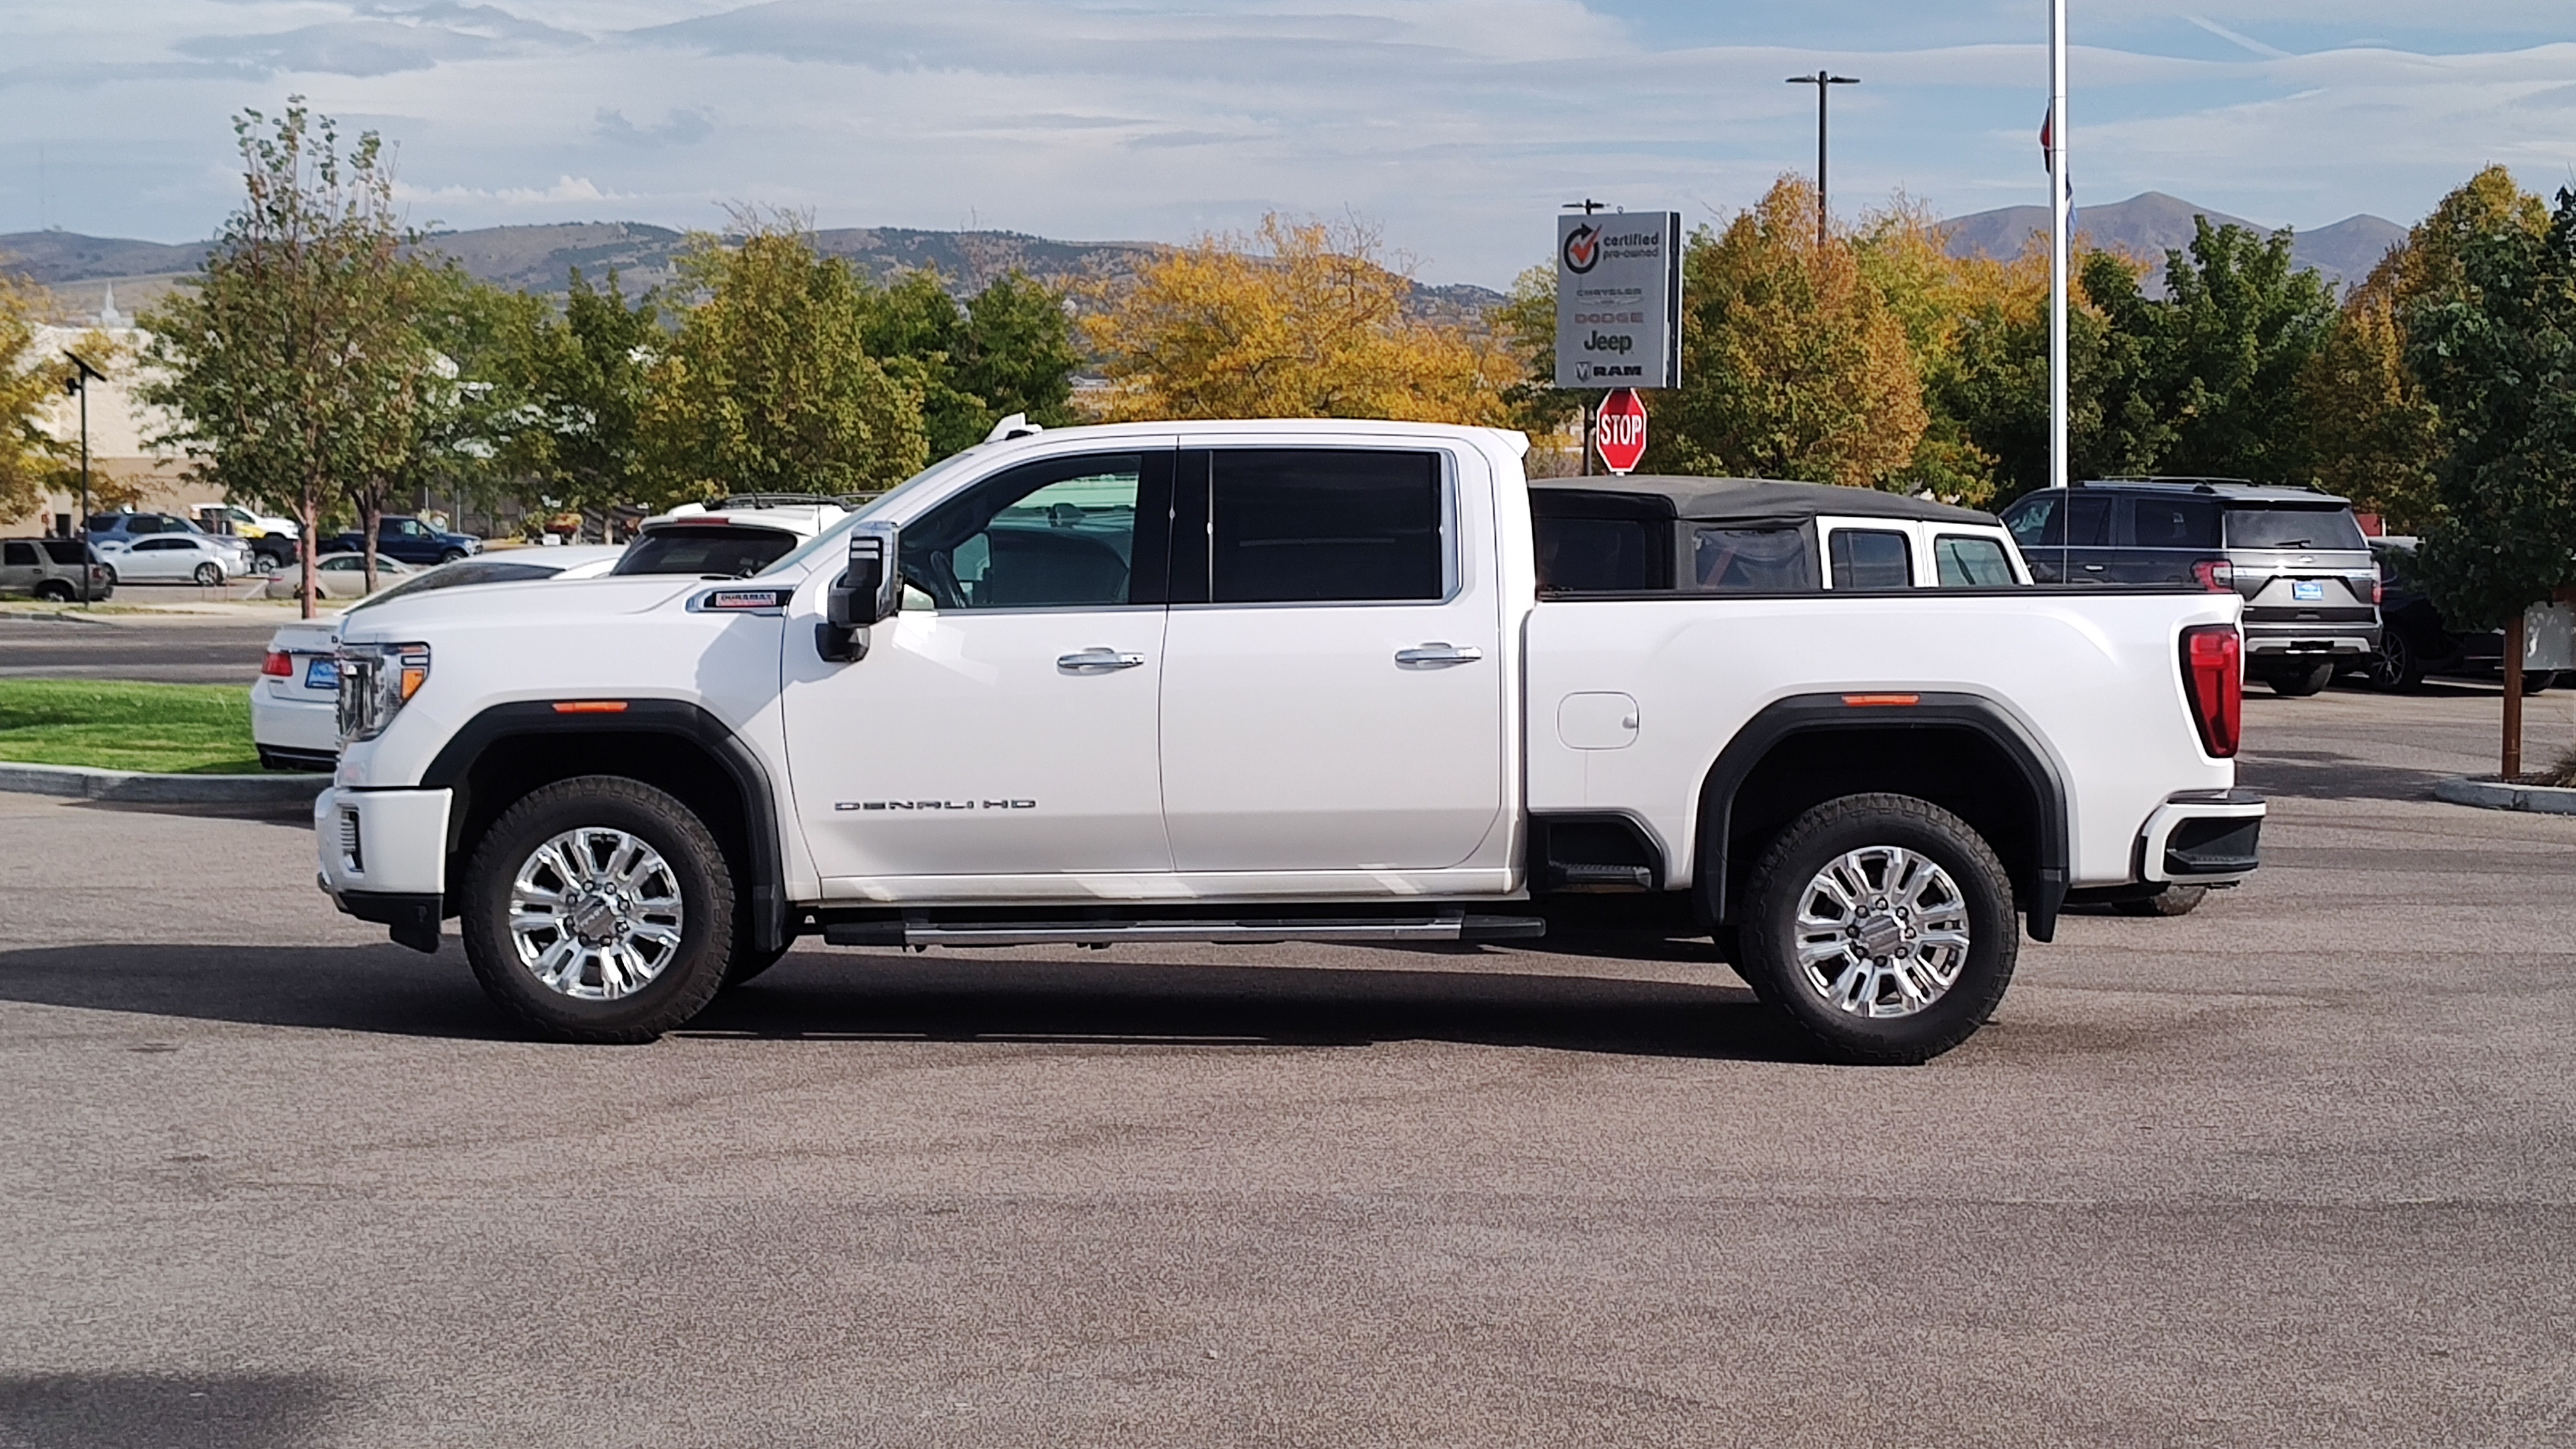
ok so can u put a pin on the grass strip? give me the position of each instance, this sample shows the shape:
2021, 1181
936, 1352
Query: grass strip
167, 729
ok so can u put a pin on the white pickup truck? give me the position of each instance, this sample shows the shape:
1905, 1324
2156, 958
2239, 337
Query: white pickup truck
1270, 681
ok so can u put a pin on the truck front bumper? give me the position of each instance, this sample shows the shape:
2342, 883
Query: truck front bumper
383, 857
2202, 837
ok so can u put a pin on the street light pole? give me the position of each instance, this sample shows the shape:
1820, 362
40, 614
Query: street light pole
1823, 81
79, 381
2058, 258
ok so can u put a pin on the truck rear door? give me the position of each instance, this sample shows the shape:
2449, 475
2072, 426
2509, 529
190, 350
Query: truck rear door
1333, 690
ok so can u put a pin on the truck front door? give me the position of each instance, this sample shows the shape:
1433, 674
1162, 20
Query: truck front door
1003, 724
1333, 689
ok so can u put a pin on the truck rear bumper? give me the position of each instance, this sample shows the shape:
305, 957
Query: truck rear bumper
2202, 837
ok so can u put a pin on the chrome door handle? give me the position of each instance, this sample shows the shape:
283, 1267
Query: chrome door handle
1097, 661
1437, 653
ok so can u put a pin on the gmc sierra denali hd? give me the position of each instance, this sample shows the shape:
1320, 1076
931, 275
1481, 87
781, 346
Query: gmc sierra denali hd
1271, 681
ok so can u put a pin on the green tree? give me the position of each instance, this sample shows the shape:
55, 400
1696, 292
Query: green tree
286, 359
768, 385
2205, 381
570, 392
1017, 352
2496, 353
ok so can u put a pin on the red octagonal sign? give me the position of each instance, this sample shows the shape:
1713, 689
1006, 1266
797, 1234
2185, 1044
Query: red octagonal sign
1622, 436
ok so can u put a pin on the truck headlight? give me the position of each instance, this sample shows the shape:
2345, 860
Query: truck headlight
376, 681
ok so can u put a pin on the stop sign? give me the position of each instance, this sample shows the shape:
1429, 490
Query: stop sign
1622, 435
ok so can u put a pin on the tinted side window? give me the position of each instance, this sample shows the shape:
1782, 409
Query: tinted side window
2088, 520
733, 553
19, 555
1751, 560
2035, 521
1869, 558
1599, 555
2173, 523
1060, 533
1968, 562
1316, 525
64, 551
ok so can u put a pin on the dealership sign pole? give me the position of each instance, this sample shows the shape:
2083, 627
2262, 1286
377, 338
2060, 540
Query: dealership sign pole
1618, 306
2053, 139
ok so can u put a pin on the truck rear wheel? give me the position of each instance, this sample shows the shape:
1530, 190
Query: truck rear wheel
1882, 925
599, 909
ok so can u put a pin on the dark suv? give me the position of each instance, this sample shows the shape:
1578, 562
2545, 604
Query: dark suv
2311, 587
407, 539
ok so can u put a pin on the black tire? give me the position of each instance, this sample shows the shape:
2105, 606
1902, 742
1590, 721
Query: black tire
685, 981
1769, 931
209, 575
2302, 681
54, 591
451, 555
2173, 900
112, 579
2536, 680
2395, 667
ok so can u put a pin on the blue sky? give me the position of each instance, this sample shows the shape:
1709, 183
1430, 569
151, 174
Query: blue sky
1456, 126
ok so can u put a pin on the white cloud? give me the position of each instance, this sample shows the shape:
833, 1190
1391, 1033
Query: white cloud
1459, 124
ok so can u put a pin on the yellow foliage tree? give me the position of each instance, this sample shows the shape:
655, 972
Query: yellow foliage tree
1302, 319
1794, 365
29, 457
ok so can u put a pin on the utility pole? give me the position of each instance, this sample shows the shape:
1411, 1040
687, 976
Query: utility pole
82, 375
2057, 244
1824, 81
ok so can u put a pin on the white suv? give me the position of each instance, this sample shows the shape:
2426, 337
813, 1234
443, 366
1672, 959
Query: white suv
734, 537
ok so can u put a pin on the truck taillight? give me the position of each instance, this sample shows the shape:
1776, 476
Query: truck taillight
2213, 677
2214, 574
281, 666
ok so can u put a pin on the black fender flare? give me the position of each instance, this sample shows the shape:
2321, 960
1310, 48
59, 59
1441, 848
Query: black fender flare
1810, 713
679, 717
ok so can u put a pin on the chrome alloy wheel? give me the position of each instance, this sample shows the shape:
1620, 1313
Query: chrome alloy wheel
1882, 931
595, 914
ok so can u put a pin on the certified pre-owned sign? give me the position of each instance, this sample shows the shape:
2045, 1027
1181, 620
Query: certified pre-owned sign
1619, 299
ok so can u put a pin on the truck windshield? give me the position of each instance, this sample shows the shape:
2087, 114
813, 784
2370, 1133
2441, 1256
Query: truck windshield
2292, 526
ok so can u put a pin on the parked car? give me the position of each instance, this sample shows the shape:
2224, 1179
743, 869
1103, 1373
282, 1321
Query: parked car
339, 576
57, 570
1287, 680
113, 534
2296, 555
2414, 641
732, 538
294, 707
271, 538
410, 540
174, 558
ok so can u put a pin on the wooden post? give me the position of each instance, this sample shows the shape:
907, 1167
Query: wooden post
2513, 699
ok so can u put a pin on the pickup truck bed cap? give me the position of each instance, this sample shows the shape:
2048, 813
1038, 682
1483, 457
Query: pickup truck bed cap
1732, 500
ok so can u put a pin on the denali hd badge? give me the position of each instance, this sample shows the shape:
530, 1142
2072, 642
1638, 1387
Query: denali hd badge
934, 805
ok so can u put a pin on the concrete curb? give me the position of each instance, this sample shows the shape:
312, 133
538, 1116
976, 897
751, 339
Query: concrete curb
131, 788
2496, 795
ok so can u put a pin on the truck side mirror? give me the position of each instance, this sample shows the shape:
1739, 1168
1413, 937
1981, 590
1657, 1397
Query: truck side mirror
869, 590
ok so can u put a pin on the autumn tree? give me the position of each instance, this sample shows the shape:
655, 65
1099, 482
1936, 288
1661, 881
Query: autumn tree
284, 359
1793, 363
30, 459
1302, 319
768, 385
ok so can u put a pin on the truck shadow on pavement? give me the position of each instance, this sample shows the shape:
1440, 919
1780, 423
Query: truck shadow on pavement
813, 995
210, 1411
2325, 775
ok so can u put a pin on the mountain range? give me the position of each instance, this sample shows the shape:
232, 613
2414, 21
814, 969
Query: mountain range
79, 269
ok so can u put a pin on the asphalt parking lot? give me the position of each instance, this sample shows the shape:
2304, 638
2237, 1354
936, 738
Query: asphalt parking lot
2297, 1169
34, 644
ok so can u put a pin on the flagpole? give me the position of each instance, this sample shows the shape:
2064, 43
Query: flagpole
2058, 242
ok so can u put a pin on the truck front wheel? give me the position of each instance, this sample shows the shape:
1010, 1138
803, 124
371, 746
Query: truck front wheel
599, 909
1882, 926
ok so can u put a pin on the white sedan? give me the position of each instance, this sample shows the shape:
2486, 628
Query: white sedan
339, 576
173, 558
295, 706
